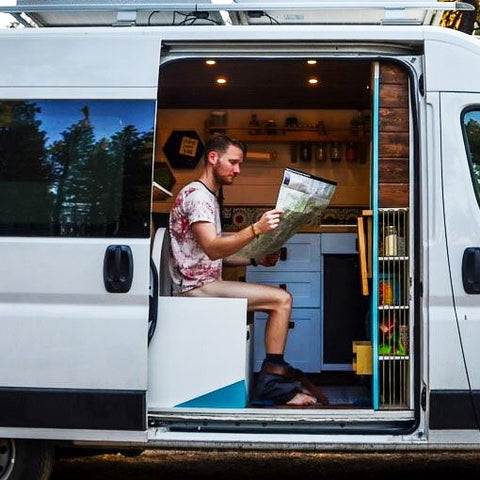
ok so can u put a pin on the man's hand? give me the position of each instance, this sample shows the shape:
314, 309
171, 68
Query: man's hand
269, 260
268, 221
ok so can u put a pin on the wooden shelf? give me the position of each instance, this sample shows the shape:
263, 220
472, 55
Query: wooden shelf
393, 357
291, 135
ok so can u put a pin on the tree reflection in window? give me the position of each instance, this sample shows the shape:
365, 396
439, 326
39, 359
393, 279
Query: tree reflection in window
76, 168
471, 122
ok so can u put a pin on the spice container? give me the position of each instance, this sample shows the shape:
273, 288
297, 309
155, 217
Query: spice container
385, 291
254, 125
320, 152
336, 152
305, 152
390, 243
271, 127
294, 153
351, 154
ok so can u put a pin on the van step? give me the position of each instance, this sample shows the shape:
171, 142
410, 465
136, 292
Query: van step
323, 420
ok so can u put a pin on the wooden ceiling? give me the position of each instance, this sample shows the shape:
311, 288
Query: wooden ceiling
266, 83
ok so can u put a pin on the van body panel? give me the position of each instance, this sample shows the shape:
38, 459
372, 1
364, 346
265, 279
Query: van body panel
462, 220
463, 66
453, 219
76, 345
50, 321
453, 321
111, 61
77, 358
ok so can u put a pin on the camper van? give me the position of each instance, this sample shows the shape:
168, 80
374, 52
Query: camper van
105, 109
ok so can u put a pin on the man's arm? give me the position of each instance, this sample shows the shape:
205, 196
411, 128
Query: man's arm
269, 260
222, 247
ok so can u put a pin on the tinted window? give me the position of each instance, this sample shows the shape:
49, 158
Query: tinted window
471, 122
75, 168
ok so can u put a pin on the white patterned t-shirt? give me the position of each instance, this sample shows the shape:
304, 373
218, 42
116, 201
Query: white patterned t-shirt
190, 266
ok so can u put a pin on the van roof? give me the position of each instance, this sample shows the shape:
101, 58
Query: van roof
82, 13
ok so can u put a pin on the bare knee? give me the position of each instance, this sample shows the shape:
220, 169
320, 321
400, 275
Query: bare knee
284, 300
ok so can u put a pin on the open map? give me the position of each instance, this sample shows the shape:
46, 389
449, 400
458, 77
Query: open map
300, 197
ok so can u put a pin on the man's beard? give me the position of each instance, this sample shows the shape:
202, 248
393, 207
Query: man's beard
220, 179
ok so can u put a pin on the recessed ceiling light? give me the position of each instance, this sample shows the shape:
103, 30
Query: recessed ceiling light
210, 62
313, 81
221, 80
311, 62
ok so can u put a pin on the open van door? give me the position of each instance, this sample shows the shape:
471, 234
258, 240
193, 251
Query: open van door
455, 320
76, 148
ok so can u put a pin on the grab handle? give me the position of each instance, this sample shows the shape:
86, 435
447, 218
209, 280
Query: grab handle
118, 268
471, 270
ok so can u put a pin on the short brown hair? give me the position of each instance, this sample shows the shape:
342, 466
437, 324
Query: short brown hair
219, 142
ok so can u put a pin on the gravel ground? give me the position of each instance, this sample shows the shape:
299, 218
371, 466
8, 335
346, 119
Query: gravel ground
185, 465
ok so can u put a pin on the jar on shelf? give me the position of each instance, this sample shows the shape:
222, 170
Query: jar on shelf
294, 153
390, 242
320, 152
351, 153
254, 125
336, 152
305, 152
386, 290
271, 127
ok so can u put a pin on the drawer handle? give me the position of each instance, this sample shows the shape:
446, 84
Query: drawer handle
283, 286
291, 325
283, 254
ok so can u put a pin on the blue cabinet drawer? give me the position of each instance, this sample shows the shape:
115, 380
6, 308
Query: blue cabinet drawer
302, 255
304, 286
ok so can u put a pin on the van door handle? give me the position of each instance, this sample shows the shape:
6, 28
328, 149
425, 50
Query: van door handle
118, 268
471, 270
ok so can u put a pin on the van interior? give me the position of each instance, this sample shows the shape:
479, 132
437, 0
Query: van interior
348, 268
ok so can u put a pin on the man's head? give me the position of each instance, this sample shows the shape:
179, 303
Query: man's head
219, 143
223, 156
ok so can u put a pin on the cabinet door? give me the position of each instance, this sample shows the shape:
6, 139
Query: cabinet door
300, 254
303, 344
344, 310
304, 286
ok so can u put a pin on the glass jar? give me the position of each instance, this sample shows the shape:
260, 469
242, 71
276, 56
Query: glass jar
294, 153
336, 152
390, 243
351, 154
254, 125
305, 152
320, 152
271, 127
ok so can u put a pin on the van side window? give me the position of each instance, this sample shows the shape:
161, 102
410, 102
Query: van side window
471, 124
76, 168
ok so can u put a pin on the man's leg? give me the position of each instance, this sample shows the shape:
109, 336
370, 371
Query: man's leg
276, 302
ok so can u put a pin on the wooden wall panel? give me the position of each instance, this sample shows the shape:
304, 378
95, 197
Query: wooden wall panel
393, 73
394, 145
393, 170
393, 95
394, 137
393, 195
394, 120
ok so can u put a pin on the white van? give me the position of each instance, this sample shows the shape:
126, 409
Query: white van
101, 99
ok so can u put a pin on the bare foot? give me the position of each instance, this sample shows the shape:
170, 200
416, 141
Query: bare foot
302, 399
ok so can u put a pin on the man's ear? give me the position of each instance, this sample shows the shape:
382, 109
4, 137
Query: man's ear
212, 157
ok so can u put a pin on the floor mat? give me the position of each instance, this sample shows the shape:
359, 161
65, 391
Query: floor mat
339, 396
356, 395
